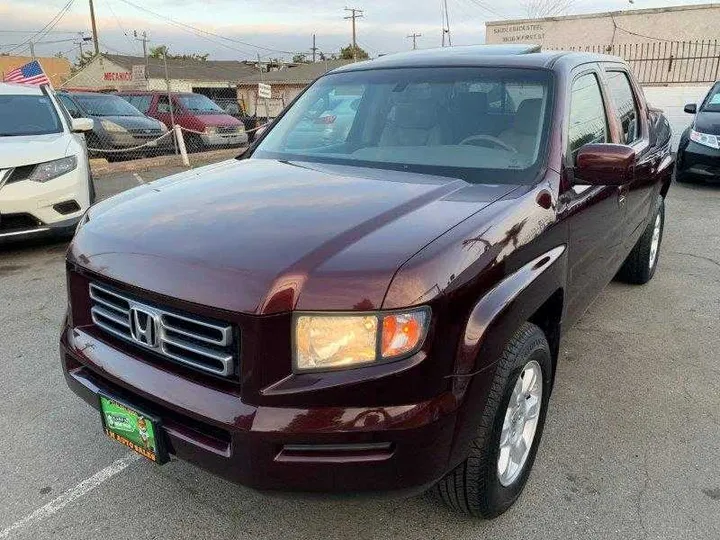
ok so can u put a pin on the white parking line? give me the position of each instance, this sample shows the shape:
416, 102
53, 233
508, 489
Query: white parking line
138, 178
72, 494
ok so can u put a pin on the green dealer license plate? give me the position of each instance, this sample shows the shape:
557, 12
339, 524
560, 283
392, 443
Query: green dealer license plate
136, 430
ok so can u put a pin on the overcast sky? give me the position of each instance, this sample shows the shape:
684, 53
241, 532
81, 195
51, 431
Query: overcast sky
266, 26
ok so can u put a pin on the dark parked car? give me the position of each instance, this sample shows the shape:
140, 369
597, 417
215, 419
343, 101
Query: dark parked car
118, 125
698, 156
384, 312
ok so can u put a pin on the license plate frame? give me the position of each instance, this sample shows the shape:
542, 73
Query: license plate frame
126, 430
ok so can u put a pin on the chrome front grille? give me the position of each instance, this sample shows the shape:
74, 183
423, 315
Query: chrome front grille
184, 339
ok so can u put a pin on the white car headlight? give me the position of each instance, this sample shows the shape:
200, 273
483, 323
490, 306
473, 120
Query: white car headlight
163, 127
326, 341
52, 169
705, 139
210, 129
112, 127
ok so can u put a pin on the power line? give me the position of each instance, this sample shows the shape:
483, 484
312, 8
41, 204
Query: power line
207, 32
45, 29
354, 14
483, 5
132, 43
414, 37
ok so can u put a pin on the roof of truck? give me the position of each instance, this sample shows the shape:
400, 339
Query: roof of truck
516, 55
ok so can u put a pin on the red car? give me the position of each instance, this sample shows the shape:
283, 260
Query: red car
207, 124
382, 312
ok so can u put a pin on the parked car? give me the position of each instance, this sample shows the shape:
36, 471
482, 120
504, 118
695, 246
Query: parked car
118, 125
382, 313
233, 108
698, 156
209, 125
45, 183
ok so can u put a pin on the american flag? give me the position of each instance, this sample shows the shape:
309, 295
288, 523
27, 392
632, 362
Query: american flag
30, 73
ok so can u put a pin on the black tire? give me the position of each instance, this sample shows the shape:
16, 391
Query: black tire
474, 487
637, 268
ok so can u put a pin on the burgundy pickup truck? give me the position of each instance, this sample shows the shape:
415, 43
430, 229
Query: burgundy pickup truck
381, 311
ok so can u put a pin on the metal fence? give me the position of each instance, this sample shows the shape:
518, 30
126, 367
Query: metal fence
134, 126
663, 62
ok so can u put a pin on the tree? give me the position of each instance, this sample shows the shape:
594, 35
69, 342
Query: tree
299, 58
536, 9
82, 61
162, 50
346, 53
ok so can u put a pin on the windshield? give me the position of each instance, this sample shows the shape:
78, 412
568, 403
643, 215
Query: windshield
712, 101
459, 122
103, 105
28, 115
199, 104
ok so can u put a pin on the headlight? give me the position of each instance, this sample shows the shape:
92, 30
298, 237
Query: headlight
326, 342
210, 129
112, 127
705, 139
52, 169
163, 127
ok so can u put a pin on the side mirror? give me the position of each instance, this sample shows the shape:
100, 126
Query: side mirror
80, 125
604, 164
690, 108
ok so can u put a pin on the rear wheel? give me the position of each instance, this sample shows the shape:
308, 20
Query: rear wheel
640, 265
494, 474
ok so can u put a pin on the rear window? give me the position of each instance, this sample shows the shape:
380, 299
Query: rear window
28, 115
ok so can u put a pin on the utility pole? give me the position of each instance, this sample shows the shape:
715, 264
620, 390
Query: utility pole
446, 24
94, 29
144, 39
32, 50
355, 14
80, 43
414, 37
313, 49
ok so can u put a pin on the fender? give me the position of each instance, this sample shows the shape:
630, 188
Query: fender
492, 322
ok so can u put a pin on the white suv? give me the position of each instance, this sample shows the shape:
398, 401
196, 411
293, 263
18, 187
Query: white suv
45, 184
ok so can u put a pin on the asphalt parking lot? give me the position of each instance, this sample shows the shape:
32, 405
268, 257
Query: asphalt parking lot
631, 449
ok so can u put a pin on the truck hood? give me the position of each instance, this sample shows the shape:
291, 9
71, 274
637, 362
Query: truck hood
262, 236
19, 151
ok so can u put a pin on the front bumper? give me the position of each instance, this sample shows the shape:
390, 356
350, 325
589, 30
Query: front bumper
698, 161
326, 449
38, 204
224, 139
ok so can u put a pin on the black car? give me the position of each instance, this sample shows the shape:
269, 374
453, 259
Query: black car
699, 152
119, 127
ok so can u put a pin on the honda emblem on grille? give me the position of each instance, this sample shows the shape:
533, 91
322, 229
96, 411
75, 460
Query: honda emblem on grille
144, 327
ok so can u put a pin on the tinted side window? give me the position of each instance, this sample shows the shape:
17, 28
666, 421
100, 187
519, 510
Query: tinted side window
588, 121
163, 105
625, 105
141, 103
70, 106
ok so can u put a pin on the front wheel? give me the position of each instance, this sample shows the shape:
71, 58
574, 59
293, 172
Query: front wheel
640, 265
494, 474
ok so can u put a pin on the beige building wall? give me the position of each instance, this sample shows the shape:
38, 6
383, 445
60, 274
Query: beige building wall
57, 69
700, 22
101, 73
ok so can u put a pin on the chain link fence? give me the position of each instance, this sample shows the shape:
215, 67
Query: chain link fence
136, 125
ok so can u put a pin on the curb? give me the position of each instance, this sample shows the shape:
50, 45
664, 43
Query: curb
101, 166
